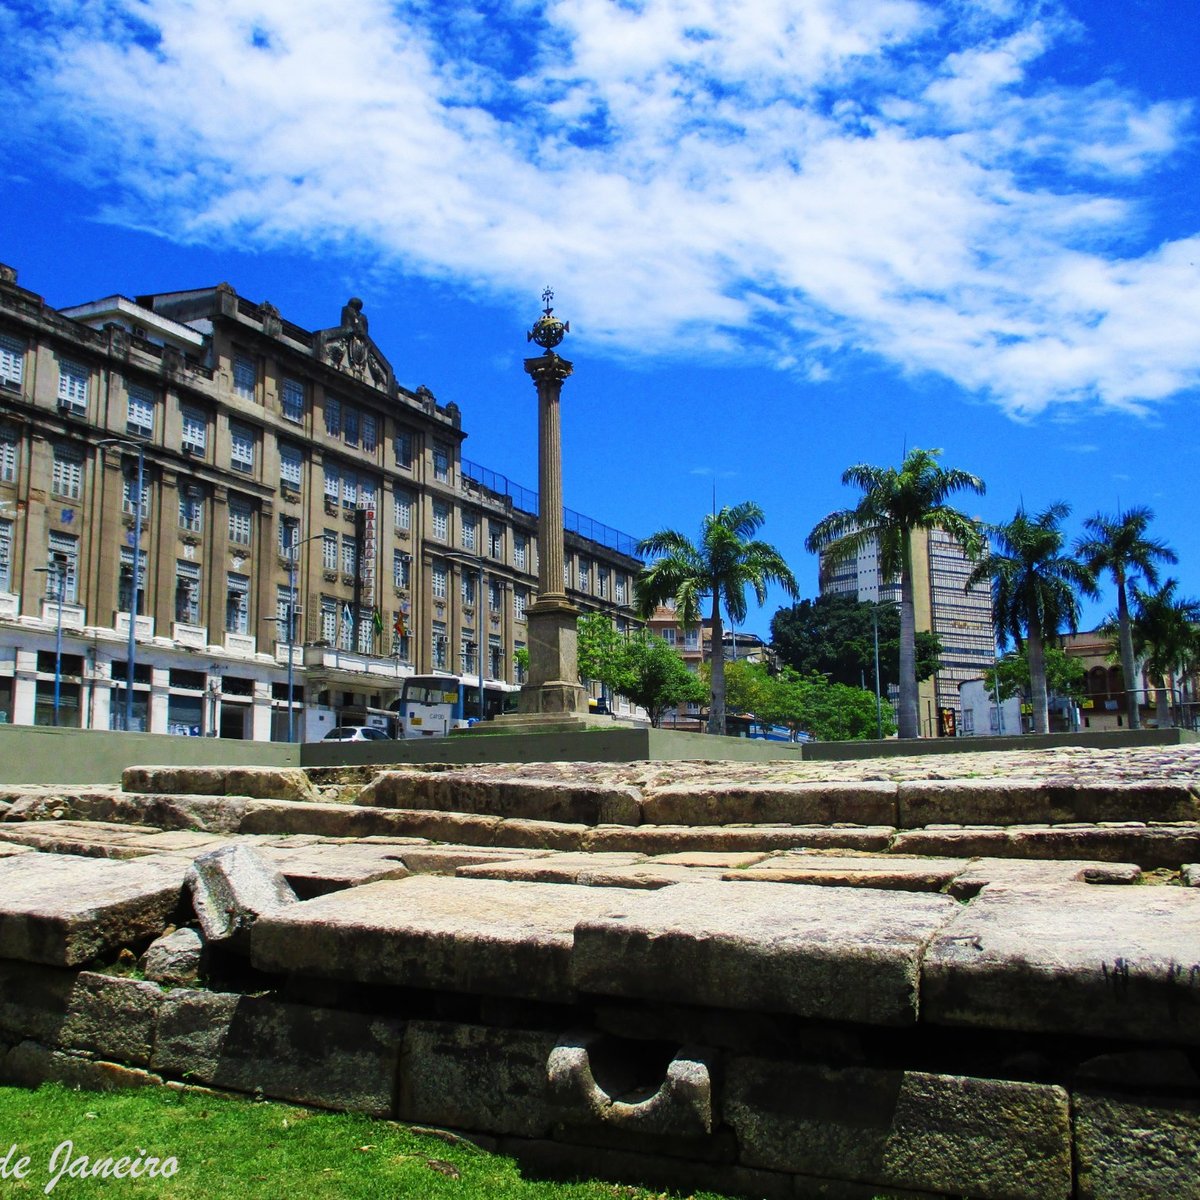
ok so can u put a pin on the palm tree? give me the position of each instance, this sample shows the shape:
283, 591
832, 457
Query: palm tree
1035, 589
1119, 546
894, 504
1165, 635
726, 560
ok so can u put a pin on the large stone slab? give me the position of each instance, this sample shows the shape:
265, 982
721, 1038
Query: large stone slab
475, 1077
846, 954
321, 867
460, 935
572, 801
63, 910
858, 802
354, 821
1022, 801
1024, 872
232, 888
1129, 1148
1108, 961
553, 868
213, 814
871, 871
728, 839
983, 1138
325, 1057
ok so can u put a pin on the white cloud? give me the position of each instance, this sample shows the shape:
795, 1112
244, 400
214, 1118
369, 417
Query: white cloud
805, 177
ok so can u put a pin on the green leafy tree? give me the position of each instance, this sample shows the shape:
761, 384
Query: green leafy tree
1035, 590
640, 666
1166, 638
895, 503
1064, 675
726, 560
1121, 547
835, 636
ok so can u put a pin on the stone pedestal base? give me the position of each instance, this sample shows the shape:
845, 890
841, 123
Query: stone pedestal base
553, 688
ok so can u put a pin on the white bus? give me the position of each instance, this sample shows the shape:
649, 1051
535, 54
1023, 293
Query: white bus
433, 705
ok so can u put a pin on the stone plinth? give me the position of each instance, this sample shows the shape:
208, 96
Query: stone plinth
553, 687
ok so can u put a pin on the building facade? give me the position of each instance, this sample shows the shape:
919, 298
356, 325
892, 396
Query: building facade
302, 515
961, 617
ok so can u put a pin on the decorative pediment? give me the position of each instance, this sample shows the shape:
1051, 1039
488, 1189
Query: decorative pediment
349, 348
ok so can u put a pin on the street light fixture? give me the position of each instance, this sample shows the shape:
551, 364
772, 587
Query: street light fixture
138, 448
294, 544
59, 571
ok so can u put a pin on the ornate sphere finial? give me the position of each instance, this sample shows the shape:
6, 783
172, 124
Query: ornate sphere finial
548, 331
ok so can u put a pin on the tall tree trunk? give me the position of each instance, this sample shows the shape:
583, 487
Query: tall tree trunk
909, 718
1037, 677
1128, 663
716, 708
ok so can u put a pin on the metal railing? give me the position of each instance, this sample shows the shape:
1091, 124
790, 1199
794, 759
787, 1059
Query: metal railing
527, 501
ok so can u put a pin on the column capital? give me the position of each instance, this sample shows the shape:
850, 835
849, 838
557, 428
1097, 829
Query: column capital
548, 368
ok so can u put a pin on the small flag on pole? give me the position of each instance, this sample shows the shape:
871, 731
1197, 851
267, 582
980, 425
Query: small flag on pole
347, 616
377, 622
398, 627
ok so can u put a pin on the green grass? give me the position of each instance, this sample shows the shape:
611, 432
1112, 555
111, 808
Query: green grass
233, 1149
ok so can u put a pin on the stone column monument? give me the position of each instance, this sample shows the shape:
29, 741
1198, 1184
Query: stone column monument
553, 687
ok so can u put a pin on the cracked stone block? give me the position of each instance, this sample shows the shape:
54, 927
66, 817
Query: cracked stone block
65, 910
838, 953
1101, 961
231, 889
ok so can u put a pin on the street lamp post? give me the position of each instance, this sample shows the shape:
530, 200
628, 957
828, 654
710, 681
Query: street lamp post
294, 544
139, 449
476, 561
59, 571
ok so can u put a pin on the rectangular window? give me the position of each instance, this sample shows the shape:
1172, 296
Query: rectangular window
350, 425
349, 555
191, 509
239, 523
469, 528
401, 642
72, 387
291, 400
139, 411
466, 653
402, 505
8, 455
285, 607
349, 490
441, 651
566, 575
241, 448
63, 564
329, 550
12, 361
400, 568
520, 542
602, 582
370, 433
441, 521
496, 540
333, 416
495, 591
346, 627
187, 592
441, 462
291, 459
668, 636
520, 600
585, 576
245, 376
691, 639
6, 549
288, 528
620, 589
129, 496
195, 431
404, 449
237, 603
366, 493
495, 658
438, 577
467, 582
125, 582
333, 484
329, 616
366, 631
67, 474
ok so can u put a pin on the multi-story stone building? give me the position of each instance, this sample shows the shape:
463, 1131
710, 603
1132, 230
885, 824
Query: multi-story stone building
285, 473
960, 617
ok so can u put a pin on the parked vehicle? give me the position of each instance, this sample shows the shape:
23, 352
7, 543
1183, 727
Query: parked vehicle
433, 705
356, 733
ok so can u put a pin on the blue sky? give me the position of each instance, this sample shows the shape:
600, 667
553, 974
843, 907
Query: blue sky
789, 235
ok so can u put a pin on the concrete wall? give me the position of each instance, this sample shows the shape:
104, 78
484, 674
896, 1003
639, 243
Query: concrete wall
33, 754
